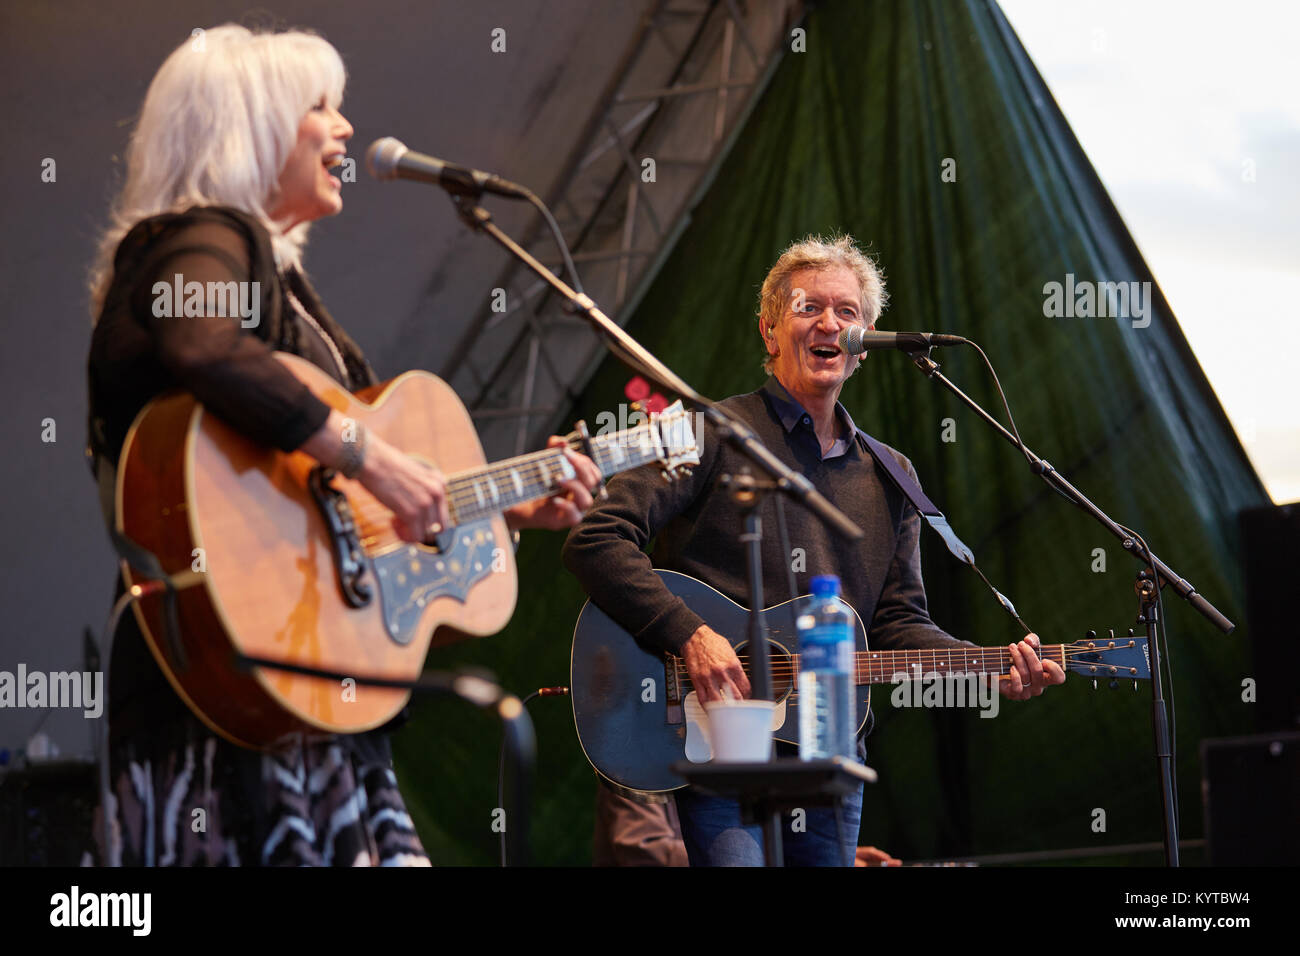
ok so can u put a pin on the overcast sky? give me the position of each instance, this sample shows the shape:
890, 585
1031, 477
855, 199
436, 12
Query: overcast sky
1190, 112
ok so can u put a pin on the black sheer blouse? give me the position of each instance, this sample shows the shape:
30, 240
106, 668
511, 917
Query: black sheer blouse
136, 355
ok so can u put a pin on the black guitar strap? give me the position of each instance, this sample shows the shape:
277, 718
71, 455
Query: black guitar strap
137, 555
932, 515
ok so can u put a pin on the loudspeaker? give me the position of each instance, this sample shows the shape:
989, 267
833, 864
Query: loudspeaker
1271, 560
1250, 789
45, 813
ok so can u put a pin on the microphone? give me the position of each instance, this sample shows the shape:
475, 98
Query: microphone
388, 158
855, 340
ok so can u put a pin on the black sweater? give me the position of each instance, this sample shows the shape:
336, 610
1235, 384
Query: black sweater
694, 528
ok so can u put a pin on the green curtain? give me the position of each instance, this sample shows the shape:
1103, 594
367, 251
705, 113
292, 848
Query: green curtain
855, 135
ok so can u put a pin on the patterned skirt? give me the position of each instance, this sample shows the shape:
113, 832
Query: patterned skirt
184, 797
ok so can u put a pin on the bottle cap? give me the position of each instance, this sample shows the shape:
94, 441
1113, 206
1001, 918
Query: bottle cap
826, 585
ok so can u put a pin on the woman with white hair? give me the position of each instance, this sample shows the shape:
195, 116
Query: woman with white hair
229, 163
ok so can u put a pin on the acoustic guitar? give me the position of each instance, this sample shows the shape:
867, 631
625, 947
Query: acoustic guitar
633, 706
277, 558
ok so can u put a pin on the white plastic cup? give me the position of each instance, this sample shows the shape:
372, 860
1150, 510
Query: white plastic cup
740, 730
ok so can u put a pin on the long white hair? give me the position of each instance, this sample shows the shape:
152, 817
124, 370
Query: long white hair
217, 126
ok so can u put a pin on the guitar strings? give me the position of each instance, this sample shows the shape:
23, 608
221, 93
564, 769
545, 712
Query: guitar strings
467, 503
460, 496
788, 666
1070, 649
535, 481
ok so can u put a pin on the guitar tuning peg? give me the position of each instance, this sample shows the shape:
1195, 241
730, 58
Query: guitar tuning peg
1114, 684
1091, 635
1111, 632
1130, 632
1094, 683
1135, 687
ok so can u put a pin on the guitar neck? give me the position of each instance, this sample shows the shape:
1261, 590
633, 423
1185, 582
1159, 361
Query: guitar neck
484, 492
884, 667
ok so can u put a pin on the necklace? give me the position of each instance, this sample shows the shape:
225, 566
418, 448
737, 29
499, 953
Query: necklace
329, 342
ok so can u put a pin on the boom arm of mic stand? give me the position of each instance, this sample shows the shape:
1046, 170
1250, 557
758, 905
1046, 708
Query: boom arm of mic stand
641, 360
1044, 469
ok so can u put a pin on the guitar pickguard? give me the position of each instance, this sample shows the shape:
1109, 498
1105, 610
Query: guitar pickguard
410, 577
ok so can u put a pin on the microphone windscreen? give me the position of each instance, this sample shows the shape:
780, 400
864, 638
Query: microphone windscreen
851, 339
383, 155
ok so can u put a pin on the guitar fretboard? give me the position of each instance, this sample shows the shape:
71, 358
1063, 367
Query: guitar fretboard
484, 492
883, 667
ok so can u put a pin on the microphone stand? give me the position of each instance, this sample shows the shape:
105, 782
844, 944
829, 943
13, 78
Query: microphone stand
632, 353
731, 429
1148, 593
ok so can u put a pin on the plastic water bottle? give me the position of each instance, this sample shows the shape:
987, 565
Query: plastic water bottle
826, 707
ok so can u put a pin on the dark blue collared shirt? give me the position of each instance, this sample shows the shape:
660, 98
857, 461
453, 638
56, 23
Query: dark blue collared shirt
794, 416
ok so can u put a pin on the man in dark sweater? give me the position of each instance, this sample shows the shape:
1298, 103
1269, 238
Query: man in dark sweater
815, 290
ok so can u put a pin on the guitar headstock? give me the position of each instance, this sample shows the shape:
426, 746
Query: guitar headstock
1109, 658
678, 450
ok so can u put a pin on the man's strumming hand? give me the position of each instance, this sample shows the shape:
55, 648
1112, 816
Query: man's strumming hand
713, 666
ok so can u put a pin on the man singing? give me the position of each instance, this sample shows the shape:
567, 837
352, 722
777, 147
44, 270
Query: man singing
816, 289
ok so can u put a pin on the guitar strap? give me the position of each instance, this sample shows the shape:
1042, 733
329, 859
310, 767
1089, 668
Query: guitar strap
932, 515
136, 555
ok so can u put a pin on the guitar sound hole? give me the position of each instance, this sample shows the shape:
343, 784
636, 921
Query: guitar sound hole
780, 663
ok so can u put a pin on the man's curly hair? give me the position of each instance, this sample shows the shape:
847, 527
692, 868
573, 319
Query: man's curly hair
816, 252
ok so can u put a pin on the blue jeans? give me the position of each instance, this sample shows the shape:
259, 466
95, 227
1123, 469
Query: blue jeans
714, 836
